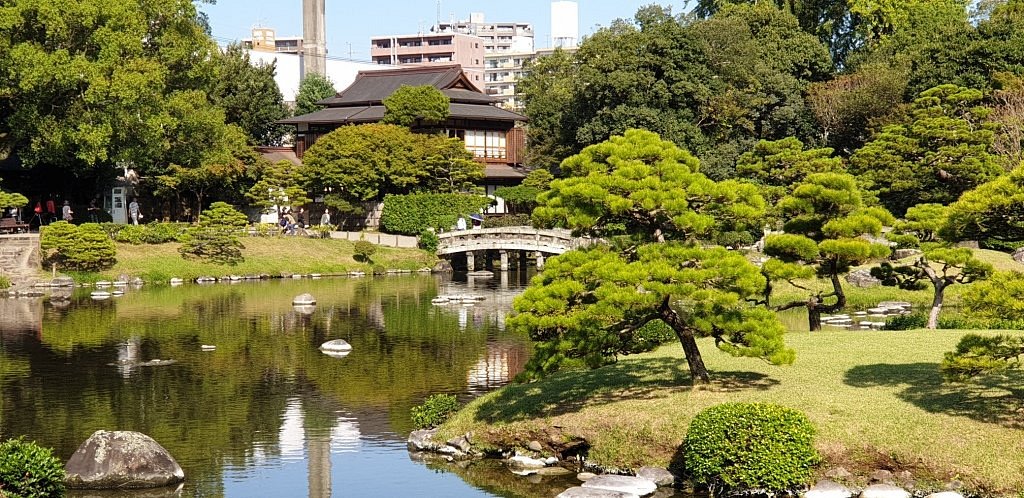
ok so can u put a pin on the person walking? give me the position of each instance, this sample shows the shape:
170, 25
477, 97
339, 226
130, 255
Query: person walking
66, 212
133, 211
326, 218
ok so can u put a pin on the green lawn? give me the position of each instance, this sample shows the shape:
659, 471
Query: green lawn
269, 255
877, 399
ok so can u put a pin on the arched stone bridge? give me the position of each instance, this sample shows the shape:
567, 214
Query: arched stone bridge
522, 239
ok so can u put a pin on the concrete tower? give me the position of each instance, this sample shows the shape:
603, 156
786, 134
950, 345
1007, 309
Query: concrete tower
314, 38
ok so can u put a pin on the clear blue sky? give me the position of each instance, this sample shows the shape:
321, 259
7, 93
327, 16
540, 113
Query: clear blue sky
354, 22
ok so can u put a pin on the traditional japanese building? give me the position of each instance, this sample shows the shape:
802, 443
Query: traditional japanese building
489, 131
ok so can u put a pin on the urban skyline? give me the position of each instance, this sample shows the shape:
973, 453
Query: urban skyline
349, 32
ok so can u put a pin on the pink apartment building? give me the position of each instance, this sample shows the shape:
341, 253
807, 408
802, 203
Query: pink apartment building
442, 49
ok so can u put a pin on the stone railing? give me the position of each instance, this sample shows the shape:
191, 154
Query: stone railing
509, 239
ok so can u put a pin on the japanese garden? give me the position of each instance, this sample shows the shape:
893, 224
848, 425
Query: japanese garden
754, 247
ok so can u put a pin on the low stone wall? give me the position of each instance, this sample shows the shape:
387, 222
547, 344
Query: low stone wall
381, 239
19, 257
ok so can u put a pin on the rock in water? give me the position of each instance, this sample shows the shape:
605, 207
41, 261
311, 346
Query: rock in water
884, 491
304, 300
581, 492
661, 477
828, 489
121, 460
626, 484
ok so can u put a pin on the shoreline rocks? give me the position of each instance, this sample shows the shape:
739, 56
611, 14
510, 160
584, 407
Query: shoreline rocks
121, 460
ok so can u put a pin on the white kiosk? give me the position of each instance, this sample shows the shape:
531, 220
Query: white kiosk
119, 205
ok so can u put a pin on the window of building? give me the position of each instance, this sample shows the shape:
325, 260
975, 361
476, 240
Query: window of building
384, 44
410, 43
486, 144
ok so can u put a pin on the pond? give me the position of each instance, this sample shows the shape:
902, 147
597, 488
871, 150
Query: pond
260, 411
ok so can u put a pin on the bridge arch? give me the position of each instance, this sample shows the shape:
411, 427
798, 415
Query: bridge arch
522, 239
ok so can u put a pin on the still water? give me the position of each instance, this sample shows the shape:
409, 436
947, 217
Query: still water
266, 413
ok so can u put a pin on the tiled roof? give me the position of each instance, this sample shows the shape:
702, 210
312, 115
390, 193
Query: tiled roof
373, 114
372, 87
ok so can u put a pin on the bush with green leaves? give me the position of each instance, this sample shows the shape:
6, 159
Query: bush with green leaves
429, 241
28, 470
85, 247
5, 282
750, 446
161, 233
508, 220
434, 411
216, 237
411, 214
363, 250
131, 234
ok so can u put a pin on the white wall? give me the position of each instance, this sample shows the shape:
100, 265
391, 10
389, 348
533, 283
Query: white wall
341, 72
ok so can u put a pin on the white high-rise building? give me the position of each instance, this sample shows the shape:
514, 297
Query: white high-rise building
565, 24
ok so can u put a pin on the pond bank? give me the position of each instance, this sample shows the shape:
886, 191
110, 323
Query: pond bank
876, 398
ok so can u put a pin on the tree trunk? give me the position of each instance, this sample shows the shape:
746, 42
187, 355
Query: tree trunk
933, 315
813, 316
698, 372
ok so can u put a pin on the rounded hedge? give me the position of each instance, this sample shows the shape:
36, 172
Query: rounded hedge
750, 446
29, 471
434, 411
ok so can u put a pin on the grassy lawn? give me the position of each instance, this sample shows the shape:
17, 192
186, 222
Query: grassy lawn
876, 397
270, 255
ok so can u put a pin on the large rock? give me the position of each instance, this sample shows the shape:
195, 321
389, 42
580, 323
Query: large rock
626, 484
828, 489
581, 492
884, 491
945, 494
524, 462
1018, 255
906, 253
862, 278
658, 476
121, 460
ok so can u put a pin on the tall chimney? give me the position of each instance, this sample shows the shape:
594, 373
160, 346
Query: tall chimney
314, 38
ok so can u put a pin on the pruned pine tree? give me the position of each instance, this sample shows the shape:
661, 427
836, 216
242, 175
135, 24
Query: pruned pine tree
646, 198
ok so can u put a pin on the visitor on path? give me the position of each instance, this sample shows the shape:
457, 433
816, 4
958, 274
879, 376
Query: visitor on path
133, 211
290, 224
303, 218
93, 211
326, 218
66, 212
461, 224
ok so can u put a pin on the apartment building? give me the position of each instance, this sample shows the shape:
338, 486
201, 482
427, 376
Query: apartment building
432, 49
266, 40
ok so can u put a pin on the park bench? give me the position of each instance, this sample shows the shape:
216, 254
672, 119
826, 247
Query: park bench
11, 225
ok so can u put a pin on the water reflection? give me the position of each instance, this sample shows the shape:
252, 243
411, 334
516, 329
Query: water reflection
263, 412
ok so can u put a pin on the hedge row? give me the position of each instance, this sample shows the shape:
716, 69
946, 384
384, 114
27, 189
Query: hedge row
413, 213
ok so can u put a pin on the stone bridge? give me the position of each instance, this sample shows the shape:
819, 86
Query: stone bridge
522, 239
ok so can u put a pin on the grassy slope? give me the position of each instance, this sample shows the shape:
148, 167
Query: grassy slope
270, 255
877, 400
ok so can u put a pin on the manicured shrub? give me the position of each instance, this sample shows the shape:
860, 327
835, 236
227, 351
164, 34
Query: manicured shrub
411, 214
363, 250
428, 241
508, 220
162, 233
131, 234
29, 471
434, 411
5, 282
85, 247
650, 336
216, 237
737, 446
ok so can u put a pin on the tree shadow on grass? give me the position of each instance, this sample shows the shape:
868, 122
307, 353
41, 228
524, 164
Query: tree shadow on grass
993, 399
634, 380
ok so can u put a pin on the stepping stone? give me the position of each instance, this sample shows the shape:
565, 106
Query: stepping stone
884, 491
581, 492
828, 489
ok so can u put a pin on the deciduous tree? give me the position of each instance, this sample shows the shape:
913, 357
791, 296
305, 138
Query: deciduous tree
312, 89
416, 105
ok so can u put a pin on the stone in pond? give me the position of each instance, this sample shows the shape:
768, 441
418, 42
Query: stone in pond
121, 460
336, 347
659, 476
581, 492
626, 484
828, 489
884, 491
304, 300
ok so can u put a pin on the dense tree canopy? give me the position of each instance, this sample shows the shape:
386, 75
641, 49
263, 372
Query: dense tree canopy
416, 105
312, 89
94, 82
250, 96
366, 162
941, 150
782, 164
646, 195
992, 214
